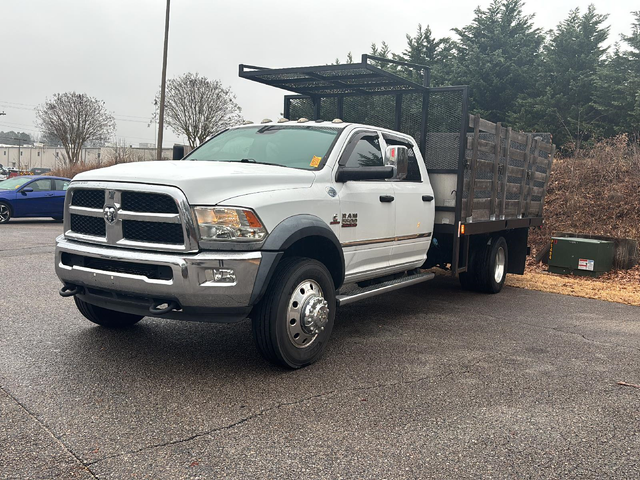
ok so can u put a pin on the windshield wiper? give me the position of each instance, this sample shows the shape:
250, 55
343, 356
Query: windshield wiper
253, 160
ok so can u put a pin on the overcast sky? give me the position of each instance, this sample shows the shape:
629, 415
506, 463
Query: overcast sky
112, 49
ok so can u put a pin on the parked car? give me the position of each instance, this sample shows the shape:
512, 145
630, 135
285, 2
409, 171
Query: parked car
32, 196
39, 171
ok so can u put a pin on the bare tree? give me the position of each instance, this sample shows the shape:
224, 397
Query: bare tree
197, 107
74, 119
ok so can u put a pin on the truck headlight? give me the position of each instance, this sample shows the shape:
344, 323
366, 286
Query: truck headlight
224, 223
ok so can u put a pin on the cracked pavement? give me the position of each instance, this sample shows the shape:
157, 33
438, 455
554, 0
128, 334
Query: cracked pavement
426, 382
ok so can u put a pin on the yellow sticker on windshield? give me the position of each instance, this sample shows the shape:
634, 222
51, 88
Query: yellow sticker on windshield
315, 161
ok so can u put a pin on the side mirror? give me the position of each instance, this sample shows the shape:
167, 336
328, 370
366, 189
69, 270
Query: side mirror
26, 190
364, 173
397, 156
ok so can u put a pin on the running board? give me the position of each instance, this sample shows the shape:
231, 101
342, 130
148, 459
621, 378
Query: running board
351, 295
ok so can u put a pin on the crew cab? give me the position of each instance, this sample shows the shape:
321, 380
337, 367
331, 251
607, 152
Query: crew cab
266, 220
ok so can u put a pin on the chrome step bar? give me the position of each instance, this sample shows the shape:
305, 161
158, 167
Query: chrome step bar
348, 295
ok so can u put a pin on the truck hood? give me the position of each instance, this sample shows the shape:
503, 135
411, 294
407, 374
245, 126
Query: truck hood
205, 183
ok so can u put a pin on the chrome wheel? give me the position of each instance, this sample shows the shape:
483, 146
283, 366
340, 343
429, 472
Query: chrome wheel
307, 314
5, 214
501, 260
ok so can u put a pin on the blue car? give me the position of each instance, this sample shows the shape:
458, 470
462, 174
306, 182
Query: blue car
32, 196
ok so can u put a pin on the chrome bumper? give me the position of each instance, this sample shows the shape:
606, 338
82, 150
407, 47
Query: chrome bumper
199, 297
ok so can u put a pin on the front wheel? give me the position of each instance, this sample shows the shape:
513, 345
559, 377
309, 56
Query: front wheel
5, 212
293, 321
105, 317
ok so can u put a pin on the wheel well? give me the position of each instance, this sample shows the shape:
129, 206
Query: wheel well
323, 250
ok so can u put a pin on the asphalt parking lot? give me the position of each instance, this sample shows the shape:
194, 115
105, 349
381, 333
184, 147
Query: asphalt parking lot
427, 382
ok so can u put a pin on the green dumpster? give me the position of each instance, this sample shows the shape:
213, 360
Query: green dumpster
580, 256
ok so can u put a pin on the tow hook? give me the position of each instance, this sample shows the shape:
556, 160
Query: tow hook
70, 290
170, 306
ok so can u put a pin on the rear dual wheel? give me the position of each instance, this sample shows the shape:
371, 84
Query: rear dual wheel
487, 268
293, 321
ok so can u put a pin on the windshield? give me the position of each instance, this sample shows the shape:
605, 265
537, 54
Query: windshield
287, 146
13, 183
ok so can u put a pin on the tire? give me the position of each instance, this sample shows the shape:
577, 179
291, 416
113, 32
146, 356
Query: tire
105, 317
5, 212
299, 286
487, 267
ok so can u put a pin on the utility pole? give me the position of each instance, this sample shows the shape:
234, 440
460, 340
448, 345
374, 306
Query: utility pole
163, 83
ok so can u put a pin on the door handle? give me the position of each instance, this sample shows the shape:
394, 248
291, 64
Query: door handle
50, 194
387, 198
427, 198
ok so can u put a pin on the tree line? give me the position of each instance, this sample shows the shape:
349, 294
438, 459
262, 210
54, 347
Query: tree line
566, 81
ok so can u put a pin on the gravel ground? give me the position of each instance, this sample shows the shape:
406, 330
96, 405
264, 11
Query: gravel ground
427, 382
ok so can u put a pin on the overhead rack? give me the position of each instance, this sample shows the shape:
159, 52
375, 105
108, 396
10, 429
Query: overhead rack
339, 80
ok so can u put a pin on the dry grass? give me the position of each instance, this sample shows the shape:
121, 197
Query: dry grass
70, 171
596, 192
622, 286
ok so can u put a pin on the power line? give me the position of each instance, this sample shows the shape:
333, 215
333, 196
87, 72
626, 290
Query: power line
25, 106
17, 125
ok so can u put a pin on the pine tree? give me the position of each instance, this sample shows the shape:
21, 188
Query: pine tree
572, 60
424, 49
497, 56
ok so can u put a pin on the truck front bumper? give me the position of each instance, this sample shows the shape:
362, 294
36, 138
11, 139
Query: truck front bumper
132, 281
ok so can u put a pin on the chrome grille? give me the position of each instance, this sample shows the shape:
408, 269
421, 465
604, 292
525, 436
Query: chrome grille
88, 198
148, 202
130, 215
88, 225
153, 232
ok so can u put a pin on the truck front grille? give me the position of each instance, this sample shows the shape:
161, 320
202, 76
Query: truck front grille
94, 226
88, 198
153, 232
148, 202
155, 272
129, 215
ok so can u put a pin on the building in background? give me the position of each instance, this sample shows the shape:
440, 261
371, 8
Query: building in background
26, 157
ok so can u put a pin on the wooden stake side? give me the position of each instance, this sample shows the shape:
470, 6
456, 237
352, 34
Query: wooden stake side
523, 183
472, 166
496, 164
507, 156
533, 164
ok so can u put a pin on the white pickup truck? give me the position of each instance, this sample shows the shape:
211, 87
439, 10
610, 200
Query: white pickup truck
280, 222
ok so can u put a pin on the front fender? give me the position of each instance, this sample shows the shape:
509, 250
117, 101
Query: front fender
283, 236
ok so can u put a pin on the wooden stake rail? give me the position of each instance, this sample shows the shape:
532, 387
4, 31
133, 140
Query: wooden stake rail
484, 185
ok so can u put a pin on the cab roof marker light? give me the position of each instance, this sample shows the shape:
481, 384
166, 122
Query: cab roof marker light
266, 120
247, 122
303, 120
283, 120
337, 120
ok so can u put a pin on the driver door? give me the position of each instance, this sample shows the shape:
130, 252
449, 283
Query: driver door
367, 210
